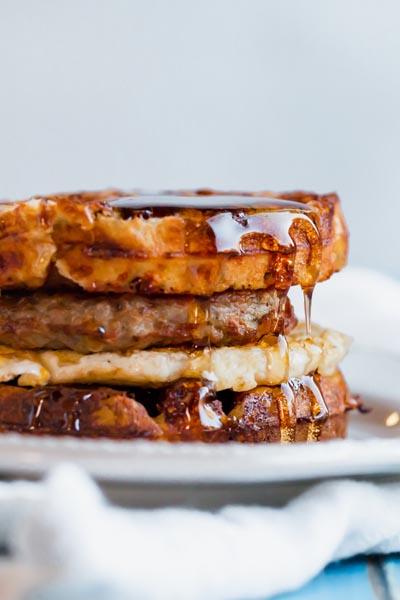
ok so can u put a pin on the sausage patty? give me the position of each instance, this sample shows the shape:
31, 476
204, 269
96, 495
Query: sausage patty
98, 323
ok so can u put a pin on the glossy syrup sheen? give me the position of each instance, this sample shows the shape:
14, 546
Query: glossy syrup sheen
287, 409
230, 218
207, 202
186, 410
239, 216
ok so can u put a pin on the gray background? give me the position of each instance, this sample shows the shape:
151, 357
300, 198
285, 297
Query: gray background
233, 94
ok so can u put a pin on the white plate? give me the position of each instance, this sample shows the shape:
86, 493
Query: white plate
150, 474
372, 447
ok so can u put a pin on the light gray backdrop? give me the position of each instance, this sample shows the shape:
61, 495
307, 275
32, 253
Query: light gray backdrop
236, 94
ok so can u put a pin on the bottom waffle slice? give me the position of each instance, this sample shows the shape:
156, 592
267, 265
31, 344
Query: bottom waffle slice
310, 408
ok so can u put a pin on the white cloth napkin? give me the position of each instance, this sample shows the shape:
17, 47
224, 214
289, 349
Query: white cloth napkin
64, 528
102, 552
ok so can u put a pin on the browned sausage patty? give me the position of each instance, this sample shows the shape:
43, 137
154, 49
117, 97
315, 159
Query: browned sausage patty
99, 323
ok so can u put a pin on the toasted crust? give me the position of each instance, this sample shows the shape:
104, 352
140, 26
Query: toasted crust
305, 409
85, 412
189, 410
84, 240
314, 410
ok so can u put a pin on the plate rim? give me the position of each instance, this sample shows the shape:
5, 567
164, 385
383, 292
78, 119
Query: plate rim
140, 461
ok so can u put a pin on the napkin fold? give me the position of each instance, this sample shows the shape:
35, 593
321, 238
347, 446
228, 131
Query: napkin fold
93, 550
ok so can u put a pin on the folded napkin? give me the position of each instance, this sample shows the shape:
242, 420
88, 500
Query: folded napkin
84, 548
64, 527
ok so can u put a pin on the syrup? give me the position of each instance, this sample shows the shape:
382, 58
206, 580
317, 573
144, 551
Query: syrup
287, 409
204, 318
209, 417
283, 348
318, 408
190, 410
308, 296
275, 226
34, 416
230, 230
233, 202
287, 413
64, 414
286, 404
239, 225
209, 374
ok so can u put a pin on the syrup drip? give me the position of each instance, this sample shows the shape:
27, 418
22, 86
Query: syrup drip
283, 347
287, 409
230, 233
66, 412
191, 408
308, 295
209, 417
319, 410
269, 229
286, 405
202, 317
208, 372
287, 413
34, 417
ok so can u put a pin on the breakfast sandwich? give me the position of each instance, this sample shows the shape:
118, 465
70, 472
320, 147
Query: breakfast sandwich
167, 317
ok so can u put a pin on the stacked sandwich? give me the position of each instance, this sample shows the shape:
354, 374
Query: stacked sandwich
168, 317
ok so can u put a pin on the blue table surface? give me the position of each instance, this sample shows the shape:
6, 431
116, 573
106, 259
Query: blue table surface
363, 578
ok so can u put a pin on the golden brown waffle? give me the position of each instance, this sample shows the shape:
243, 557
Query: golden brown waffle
90, 240
188, 410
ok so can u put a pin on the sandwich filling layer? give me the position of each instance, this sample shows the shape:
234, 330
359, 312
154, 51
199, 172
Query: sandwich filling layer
239, 368
97, 323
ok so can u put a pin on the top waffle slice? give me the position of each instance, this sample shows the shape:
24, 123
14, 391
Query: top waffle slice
187, 242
